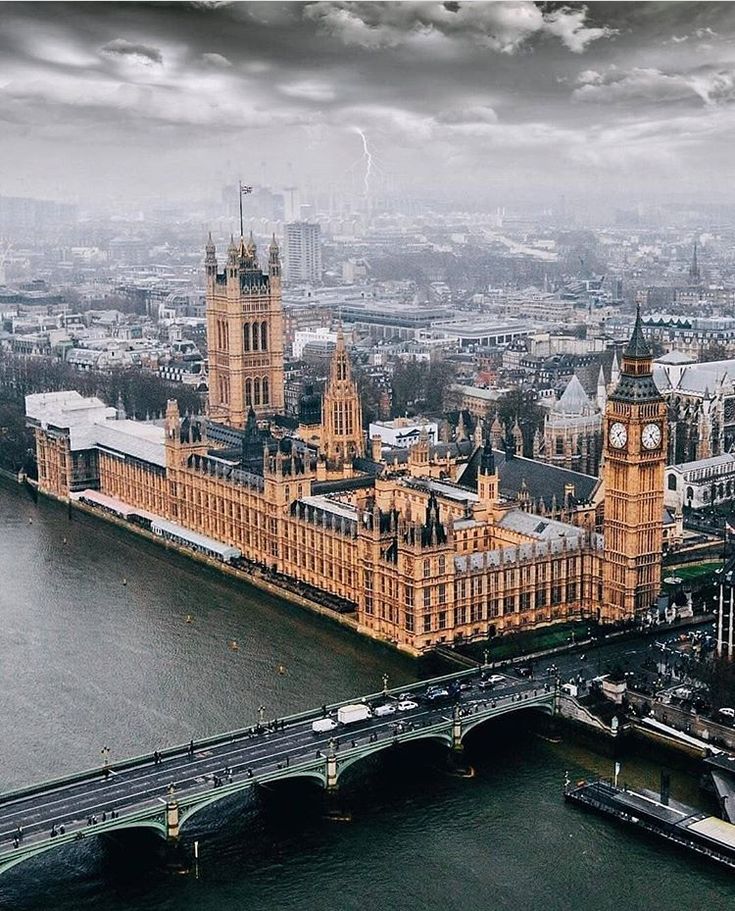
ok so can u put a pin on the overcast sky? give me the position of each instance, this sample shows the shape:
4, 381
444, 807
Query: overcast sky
608, 101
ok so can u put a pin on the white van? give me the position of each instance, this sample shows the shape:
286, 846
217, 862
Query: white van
323, 726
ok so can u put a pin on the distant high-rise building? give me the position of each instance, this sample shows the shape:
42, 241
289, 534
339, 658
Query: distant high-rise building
303, 252
695, 275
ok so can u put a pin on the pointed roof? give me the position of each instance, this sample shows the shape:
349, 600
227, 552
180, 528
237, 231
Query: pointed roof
574, 399
615, 366
637, 348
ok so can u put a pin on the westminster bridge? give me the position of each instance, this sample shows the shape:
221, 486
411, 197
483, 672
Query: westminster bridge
162, 791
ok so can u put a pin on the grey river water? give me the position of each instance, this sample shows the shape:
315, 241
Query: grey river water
88, 662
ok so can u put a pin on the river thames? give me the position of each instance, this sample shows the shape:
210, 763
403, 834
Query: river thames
88, 662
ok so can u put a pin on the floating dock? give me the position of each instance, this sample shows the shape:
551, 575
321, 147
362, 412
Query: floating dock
689, 828
722, 770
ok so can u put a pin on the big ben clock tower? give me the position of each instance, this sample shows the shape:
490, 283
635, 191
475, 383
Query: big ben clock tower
635, 458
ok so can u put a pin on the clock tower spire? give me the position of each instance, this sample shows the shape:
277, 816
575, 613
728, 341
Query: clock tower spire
635, 458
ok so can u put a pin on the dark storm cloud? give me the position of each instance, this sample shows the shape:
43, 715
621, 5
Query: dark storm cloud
467, 90
123, 48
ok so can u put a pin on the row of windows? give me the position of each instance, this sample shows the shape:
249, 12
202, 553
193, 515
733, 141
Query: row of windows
254, 336
257, 391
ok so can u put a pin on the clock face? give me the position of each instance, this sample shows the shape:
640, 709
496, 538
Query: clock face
618, 435
651, 436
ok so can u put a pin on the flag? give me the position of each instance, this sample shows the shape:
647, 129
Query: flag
245, 190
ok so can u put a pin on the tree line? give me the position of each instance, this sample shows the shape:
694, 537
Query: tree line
143, 395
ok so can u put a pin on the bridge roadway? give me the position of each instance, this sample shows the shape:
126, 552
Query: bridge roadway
140, 793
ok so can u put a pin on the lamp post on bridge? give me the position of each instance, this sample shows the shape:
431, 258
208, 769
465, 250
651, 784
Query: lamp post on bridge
485, 656
261, 714
385, 684
105, 753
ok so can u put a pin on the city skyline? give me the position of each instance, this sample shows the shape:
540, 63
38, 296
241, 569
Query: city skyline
490, 102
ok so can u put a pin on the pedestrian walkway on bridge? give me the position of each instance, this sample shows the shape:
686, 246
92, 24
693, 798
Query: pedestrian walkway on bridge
163, 790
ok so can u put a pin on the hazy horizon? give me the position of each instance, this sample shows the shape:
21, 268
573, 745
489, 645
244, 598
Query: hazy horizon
612, 103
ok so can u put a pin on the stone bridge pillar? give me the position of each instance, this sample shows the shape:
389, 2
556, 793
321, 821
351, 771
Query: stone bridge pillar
331, 769
457, 730
172, 821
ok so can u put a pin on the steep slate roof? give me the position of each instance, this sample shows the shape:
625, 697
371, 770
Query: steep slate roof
543, 482
574, 399
637, 346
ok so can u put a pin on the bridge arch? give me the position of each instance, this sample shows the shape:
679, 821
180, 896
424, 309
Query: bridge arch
72, 838
472, 723
188, 810
353, 757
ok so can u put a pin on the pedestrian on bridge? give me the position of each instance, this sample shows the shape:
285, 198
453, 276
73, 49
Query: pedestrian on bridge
191, 749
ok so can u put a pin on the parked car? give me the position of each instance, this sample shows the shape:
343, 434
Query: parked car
407, 705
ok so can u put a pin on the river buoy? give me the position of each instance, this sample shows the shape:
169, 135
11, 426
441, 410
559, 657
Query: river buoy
125, 581
189, 618
234, 646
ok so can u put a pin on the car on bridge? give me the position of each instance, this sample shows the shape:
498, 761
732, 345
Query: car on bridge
387, 708
437, 693
489, 682
407, 705
323, 725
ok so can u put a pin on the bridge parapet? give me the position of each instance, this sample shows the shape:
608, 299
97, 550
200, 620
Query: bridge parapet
295, 752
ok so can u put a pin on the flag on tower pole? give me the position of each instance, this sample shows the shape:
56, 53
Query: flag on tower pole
243, 192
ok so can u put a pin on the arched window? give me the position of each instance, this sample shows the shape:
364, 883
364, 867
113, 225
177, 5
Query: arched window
672, 482
256, 391
427, 568
246, 337
256, 337
264, 336
266, 391
248, 392
690, 494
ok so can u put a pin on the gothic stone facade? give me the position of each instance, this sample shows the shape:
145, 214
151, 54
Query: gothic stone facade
424, 560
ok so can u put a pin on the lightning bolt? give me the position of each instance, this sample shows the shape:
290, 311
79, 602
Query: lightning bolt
368, 160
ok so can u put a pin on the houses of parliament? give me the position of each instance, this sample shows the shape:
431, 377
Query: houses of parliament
425, 546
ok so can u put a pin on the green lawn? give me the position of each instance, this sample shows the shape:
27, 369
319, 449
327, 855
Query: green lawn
525, 643
693, 572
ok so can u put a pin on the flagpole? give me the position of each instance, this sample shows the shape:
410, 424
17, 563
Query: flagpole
242, 229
